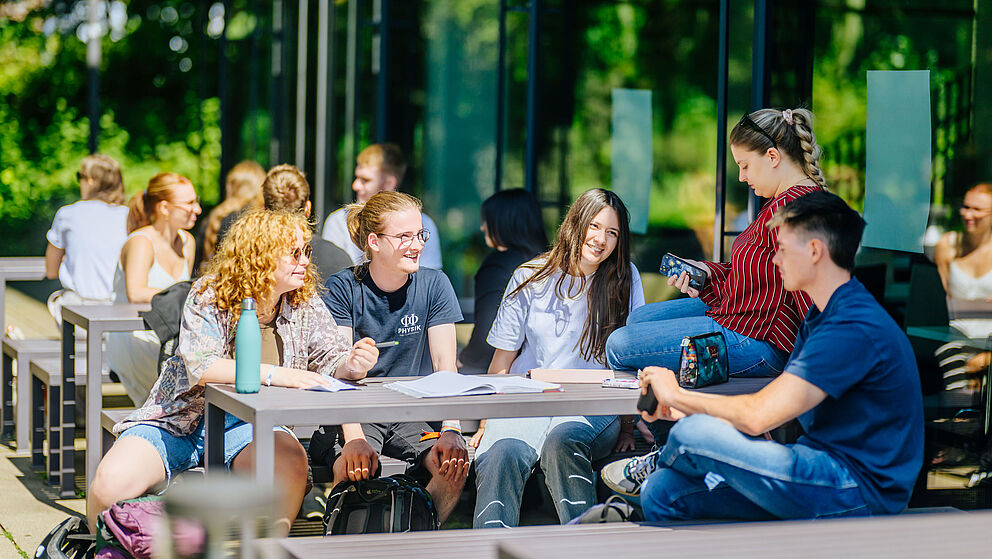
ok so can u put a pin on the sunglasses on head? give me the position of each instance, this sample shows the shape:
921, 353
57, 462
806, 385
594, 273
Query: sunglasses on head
300, 252
748, 123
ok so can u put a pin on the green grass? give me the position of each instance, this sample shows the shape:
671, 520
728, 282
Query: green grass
17, 547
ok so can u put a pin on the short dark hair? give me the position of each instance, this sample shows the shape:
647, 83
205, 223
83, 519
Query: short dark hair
513, 219
825, 215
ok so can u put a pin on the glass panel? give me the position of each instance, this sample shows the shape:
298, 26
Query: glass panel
897, 188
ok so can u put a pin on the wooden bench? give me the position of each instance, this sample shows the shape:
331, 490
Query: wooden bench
46, 374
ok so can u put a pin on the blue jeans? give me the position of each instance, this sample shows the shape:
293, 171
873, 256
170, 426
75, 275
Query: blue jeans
182, 453
566, 447
708, 469
654, 332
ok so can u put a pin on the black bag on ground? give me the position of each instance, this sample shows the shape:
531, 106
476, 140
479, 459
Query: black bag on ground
386, 504
68, 540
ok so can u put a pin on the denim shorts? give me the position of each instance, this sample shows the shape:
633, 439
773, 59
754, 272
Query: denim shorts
182, 453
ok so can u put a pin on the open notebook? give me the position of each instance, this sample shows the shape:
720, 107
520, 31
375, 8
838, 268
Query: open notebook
449, 383
336, 386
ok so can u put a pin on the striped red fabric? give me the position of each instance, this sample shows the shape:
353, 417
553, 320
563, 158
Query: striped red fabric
747, 295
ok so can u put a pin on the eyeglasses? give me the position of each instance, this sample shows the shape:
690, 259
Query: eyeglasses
746, 121
407, 238
298, 253
188, 203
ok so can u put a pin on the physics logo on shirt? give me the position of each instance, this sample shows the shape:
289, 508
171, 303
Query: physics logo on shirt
409, 324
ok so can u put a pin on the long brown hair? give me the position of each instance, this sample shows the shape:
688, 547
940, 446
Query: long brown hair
243, 184
608, 293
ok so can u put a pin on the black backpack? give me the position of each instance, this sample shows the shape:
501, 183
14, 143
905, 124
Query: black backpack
386, 504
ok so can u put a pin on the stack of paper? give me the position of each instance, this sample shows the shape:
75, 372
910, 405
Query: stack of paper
448, 383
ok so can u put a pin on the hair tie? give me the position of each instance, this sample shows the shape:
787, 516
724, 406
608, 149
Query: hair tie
787, 116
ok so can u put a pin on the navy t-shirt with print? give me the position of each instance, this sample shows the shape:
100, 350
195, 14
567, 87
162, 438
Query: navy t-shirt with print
404, 315
872, 418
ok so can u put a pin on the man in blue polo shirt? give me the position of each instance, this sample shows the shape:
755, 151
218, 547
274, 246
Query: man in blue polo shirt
851, 381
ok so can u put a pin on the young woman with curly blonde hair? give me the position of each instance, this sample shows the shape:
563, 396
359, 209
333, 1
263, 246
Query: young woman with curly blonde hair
266, 257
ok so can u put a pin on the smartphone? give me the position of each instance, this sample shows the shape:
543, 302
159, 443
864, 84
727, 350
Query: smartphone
648, 402
672, 265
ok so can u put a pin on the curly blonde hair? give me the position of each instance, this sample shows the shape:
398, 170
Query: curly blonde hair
247, 257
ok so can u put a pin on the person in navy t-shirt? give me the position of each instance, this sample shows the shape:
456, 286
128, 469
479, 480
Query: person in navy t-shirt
392, 299
851, 381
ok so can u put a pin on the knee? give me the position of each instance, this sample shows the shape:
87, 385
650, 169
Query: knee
562, 444
505, 455
658, 496
116, 480
695, 431
291, 457
616, 345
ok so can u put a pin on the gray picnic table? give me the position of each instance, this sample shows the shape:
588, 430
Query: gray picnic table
96, 320
17, 268
964, 535
373, 403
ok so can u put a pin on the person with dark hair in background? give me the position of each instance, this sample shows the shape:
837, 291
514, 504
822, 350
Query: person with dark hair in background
86, 237
286, 188
514, 228
851, 381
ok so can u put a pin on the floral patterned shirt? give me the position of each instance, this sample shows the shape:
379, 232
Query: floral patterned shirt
310, 342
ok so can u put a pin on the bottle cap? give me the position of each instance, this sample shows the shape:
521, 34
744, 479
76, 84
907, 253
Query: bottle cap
247, 304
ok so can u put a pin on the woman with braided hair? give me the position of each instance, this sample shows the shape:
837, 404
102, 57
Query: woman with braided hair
778, 157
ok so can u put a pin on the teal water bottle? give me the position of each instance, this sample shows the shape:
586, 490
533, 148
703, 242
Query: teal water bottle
247, 350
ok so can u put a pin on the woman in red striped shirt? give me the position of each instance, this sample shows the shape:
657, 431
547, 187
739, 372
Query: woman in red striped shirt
745, 299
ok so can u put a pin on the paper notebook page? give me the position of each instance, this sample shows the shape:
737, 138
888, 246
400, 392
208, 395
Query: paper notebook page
336, 386
441, 384
511, 384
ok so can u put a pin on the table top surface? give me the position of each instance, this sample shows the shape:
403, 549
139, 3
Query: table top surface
372, 402
22, 267
946, 334
909, 535
108, 316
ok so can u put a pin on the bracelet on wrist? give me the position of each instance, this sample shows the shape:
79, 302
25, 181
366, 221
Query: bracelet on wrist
452, 428
268, 379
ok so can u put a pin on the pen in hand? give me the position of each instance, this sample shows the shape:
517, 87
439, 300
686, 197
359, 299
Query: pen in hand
381, 345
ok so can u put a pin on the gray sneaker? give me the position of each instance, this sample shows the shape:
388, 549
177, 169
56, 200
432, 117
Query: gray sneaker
626, 476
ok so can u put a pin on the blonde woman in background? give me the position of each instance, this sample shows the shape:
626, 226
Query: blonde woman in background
242, 189
158, 253
85, 240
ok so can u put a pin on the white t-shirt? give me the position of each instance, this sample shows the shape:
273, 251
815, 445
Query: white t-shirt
545, 328
91, 233
336, 231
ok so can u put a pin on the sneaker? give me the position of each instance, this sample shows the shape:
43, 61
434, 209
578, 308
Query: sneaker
626, 476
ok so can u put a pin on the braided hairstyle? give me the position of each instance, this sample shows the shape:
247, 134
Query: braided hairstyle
795, 140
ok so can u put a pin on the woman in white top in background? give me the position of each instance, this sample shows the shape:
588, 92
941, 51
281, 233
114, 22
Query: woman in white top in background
557, 312
85, 240
964, 261
158, 253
